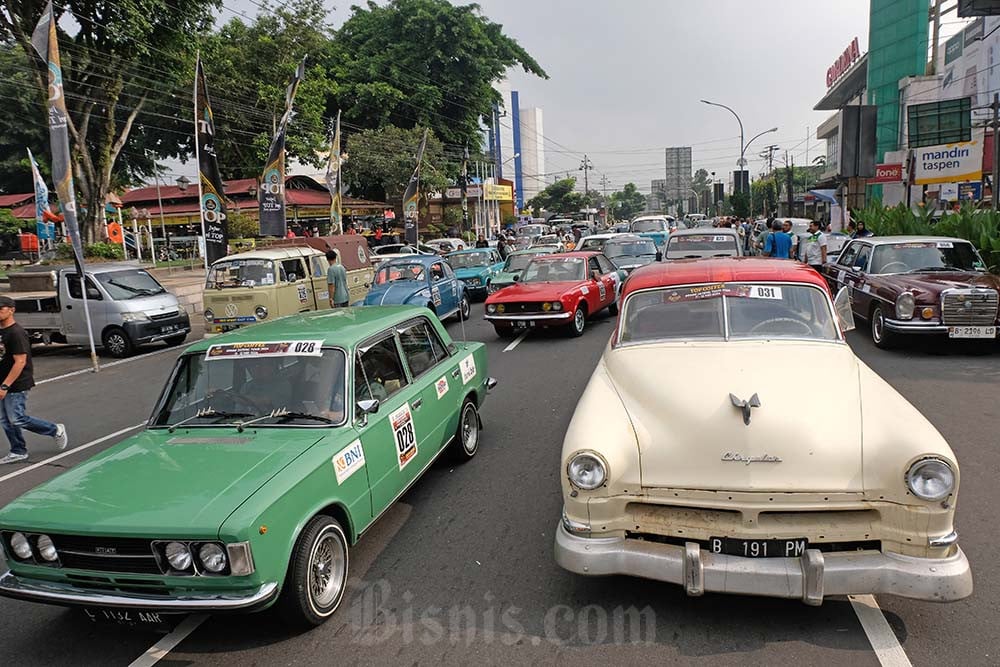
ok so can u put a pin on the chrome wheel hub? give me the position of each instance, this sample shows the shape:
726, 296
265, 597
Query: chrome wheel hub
326, 571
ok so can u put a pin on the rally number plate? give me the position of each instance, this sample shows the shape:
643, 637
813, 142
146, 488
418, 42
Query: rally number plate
780, 548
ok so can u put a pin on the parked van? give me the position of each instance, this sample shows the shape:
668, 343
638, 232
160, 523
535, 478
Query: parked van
354, 255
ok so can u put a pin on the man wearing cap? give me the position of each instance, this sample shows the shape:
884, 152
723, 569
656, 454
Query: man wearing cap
16, 378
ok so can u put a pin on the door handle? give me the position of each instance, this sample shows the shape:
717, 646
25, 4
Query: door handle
69, 307
455, 373
417, 403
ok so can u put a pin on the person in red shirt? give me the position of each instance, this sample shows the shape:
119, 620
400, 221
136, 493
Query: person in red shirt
378, 236
290, 234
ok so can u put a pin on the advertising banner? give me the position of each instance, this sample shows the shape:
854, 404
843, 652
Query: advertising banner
948, 163
333, 182
213, 201
412, 195
272, 182
888, 173
45, 230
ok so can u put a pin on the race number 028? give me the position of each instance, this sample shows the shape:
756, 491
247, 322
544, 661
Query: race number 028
405, 437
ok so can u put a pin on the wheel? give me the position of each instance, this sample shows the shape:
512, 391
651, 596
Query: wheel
504, 330
882, 338
579, 322
466, 442
317, 574
175, 340
117, 343
464, 309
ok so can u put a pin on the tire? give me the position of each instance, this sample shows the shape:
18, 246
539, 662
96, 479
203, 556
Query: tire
307, 601
464, 308
579, 322
117, 343
882, 338
504, 330
466, 443
175, 340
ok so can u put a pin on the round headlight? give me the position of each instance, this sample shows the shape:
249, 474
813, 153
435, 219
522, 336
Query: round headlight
178, 556
556, 305
19, 545
587, 471
500, 308
491, 308
46, 549
209, 315
905, 304
931, 479
546, 306
260, 312
213, 557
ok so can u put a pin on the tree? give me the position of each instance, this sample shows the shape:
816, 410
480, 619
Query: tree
701, 181
628, 202
124, 54
740, 203
424, 63
560, 197
22, 117
11, 225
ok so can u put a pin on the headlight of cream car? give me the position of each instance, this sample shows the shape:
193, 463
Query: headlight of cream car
587, 470
930, 479
905, 304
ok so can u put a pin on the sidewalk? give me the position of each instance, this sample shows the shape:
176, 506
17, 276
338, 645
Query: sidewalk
186, 285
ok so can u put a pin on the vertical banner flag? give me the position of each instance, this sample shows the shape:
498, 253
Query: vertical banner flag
44, 41
44, 228
465, 190
333, 182
272, 182
411, 196
213, 200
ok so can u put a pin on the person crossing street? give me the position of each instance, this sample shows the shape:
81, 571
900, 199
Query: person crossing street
16, 378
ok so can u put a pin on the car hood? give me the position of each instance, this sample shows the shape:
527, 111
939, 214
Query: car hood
157, 484
542, 291
471, 272
633, 261
506, 276
691, 436
395, 292
697, 254
935, 282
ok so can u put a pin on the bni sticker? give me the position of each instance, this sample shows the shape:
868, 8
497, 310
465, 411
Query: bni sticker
348, 461
404, 435
441, 386
468, 366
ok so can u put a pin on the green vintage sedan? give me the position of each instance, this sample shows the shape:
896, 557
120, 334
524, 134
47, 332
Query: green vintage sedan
512, 269
270, 452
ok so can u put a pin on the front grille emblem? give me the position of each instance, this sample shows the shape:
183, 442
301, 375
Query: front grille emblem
105, 551
745, 406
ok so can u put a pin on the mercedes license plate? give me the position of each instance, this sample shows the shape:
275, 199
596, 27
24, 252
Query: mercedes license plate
972, 332
131, 617
780, 548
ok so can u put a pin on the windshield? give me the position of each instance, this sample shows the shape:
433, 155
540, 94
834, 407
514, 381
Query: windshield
238, 382
554, 270
400, 272
751, 310
129, 284
395, 249
649, 226
592, 244
518, 262
722, 244
468, 260
926, 256
241, 273
635, 249
530, 230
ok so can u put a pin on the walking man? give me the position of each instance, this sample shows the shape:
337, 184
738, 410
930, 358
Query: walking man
16, 378
814, 247
336, 281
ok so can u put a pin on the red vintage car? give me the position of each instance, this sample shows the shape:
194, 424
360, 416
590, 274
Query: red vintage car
560, 290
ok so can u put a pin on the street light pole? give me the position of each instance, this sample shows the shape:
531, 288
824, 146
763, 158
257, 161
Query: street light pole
742, 161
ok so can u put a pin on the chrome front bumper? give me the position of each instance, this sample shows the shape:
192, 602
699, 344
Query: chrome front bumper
526, 317
920, 327
809, 578
48, 592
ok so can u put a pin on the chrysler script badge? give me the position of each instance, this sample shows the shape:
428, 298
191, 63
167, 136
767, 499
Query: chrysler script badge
745, 406
747, 460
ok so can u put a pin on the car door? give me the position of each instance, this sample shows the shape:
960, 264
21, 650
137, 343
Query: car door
856, 277
391, 437
836, 272
294, 287
605, 288
613, 273
448, 287
73, 314
320, 291
439, 396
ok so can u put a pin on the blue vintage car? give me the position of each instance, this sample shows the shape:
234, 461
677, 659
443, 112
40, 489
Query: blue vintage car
476, 267
420, 280
656, 228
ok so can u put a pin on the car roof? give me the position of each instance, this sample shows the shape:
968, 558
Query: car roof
535, 250
468, 251
426, 260
728, 269
341, 326
272, 253
607, 235
700, 231
887, 240
580, 254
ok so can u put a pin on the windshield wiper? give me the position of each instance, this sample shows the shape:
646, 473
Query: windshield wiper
305, 415
207, 412
282, 413
139, 291
935, 268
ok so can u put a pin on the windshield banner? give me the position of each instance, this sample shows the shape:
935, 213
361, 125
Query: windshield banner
293, 348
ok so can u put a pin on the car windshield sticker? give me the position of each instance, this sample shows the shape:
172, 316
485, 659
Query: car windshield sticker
719, 239
295, 348
441, 386
732, 290
303, 296
348, 461
468, 366
913, 245
406, 438
436, 295
866, 288
945, 244
764, 292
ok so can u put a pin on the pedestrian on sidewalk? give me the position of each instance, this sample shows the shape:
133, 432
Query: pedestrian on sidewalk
336, 281
814, 247
16, 378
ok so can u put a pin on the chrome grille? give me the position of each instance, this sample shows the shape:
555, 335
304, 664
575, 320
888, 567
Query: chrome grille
969, 307
164, 316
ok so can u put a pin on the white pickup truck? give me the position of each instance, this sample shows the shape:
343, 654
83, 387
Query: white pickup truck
128, 308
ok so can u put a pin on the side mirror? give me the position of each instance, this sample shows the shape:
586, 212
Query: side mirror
367, 407
517, 277
659, 256
93, 293
842, 304
292, 277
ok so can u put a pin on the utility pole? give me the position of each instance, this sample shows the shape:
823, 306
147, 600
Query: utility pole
790, 184
935, 16
585, 167
607, 206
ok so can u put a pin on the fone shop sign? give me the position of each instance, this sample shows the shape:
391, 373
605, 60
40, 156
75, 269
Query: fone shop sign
948, 163
888, 173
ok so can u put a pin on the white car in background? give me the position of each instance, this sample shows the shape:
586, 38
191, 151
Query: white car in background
596, 242
448, 245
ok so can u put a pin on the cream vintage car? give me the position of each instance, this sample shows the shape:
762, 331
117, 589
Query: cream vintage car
701, 455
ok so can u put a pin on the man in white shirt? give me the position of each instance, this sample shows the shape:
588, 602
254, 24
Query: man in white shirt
814, 246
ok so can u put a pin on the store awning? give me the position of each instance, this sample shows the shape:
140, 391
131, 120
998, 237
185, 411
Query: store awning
846, 88
829, 196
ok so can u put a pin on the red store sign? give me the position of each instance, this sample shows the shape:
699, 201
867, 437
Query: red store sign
843, 63
887, 173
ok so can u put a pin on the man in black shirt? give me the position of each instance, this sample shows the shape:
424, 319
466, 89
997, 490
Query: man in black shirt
16, 378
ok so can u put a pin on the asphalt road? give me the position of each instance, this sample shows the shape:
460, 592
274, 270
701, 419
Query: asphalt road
461, 571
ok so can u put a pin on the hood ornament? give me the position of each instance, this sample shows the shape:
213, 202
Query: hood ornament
745, 406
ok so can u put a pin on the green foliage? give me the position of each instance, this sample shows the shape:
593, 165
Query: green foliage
241, 225
64, 251
382, 161
701, 181
22, 115
11, 225
560, 197
764, 191
104, 251
740, 204
627, 203
452, 218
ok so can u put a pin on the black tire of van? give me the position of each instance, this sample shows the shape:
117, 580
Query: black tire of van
117, 343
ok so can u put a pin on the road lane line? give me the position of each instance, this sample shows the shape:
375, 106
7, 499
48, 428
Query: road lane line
113, 363
880, 635
516, 342
160, 649
70, 452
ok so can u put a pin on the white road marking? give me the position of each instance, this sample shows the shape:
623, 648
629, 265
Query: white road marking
160, 649
70, 452
114, 363
515, 342
880, 635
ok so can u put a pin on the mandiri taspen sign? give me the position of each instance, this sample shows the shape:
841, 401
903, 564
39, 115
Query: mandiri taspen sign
948, 163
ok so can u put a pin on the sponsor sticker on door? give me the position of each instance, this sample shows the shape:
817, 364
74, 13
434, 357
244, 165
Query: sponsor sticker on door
468, 366
441, 386
404, 435
303, 295
348, 461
